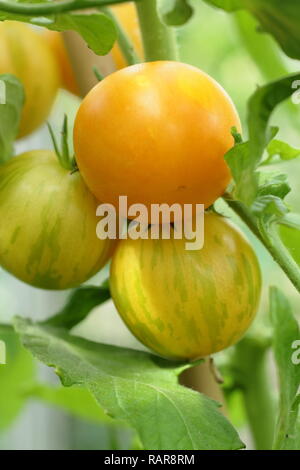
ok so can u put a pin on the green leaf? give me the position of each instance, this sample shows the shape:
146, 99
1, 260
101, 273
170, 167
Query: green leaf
11, 104
75, 400
97, 29
79, 305
290, 236
17, 374
273, 184
269, 208
174, 12
135, 387
260, 107
244, 159
285, 332
243, 172
281, 150
277, 17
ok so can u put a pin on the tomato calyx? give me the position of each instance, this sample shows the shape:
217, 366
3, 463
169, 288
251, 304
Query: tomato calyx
65, 159
97, 74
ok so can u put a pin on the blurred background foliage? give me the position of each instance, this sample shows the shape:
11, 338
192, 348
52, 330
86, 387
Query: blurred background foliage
229, 48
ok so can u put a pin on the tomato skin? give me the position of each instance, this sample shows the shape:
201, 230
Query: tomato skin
26, 54
48, 229
158, 131
56, 43
127, 16
187, 304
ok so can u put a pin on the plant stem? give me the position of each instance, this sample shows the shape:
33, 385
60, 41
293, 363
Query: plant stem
48, 8
158, 39
250, 366
123, 40
269, 237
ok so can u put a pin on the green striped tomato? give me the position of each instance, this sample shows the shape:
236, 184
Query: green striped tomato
48, 223
187, 304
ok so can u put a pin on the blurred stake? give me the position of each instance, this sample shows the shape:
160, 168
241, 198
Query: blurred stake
202, 378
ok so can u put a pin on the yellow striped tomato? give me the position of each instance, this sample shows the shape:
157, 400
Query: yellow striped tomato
187, 304
48, 223
26, 54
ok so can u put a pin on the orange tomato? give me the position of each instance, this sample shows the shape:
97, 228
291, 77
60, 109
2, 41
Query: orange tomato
157, 133
57, 45
127, 16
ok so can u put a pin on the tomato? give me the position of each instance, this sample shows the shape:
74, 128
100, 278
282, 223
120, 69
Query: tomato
56, 43
157, 133
26, 54
127, 16
48, 223
187, 304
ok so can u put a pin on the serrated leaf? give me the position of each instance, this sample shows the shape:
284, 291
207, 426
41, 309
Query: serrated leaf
244, 159
269, 208
281, 150
274, 184
97, 29
11, 104
260, 107
243, 172
135, 387
79, 305
277, 17
285, 331
174, 12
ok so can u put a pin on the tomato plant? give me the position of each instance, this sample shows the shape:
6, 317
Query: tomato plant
48, 239
215, 290
38, 71
130, 139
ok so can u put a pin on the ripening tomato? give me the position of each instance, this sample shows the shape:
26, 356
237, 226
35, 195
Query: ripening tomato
48, 223
157, 133
26, 54
67, 75
127, 16
187, 304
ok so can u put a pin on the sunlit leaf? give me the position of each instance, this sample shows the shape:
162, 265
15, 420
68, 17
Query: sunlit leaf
135, 387
285, 332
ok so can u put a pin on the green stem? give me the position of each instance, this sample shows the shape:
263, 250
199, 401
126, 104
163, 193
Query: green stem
123, 40
49, 8
158, 39
251, 370
269, 237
